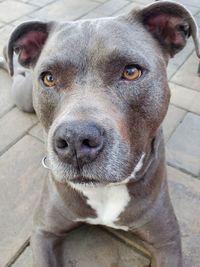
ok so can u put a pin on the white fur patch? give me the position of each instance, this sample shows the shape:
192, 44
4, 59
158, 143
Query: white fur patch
108, 201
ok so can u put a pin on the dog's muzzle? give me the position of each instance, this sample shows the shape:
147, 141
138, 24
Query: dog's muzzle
78, 142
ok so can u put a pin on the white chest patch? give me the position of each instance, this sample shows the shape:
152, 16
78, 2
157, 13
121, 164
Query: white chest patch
108, 202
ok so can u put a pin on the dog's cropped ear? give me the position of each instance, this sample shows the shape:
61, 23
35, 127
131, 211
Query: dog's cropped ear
171, 24
27, 41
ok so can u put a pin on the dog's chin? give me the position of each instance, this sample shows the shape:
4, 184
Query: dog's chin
84, 181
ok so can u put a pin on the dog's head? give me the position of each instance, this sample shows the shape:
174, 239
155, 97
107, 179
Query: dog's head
100, 87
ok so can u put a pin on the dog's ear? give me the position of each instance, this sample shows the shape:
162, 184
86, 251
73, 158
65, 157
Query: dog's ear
171, 24
27, 41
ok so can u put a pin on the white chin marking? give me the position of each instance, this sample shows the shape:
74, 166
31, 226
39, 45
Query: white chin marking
109, 201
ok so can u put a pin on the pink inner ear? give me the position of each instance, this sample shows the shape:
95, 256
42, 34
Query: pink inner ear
30, 45
165, 26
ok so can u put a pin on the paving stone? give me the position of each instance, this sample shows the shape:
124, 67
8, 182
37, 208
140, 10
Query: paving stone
65, 9
191, 3
181, 57
4, 33
185, 98
173, 118
93, 15
110, 7
191, 245
20, 181
145, 2
5, 93
21, 20
187, 74
195, 107
183, 148
171, 69
197, 18
13, 126
1, 24
25, 260
39, 3
93, 246
185, 194
16, 10
100, 1
194, 10
127, 9
37, 131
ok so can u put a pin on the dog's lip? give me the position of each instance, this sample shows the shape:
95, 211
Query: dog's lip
83, 180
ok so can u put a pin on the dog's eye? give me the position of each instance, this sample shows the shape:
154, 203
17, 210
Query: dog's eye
48, 79
131, 73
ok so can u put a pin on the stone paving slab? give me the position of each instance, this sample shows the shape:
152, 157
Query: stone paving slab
1, 24
37, 131
183, 148
180, 58
128, 8
40, 3
185, 98
191, 3
187, 74
6, 102
21, 20
185, 194
110, 7
197, 18
24, 260
9, 133
5, 33
16, 10
173, 118
20, 183
65, 9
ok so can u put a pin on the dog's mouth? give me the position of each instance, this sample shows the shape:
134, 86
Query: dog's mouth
84, 180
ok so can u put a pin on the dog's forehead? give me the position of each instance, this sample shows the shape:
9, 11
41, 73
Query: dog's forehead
99, 36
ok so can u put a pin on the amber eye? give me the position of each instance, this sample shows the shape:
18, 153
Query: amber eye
131, 73
48, 79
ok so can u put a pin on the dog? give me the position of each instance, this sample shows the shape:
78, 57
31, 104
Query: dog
100, 90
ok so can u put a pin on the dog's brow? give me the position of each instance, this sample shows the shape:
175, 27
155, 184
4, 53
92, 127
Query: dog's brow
124, 57
55, 65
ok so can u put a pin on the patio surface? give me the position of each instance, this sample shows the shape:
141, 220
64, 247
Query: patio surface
21, 151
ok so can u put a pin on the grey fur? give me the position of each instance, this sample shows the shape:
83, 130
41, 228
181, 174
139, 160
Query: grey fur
87, 58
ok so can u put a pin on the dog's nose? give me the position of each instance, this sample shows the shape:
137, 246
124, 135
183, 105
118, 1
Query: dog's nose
78, 142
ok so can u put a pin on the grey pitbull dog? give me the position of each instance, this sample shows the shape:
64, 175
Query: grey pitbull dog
100, 91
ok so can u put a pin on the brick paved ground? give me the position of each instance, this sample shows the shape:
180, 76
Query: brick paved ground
21, 150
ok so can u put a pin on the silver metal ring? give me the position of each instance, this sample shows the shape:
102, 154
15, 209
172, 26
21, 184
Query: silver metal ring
44, 163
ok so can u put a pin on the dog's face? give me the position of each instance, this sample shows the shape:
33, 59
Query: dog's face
90, 64
100, 89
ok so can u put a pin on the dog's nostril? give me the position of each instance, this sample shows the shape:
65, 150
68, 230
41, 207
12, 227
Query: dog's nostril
89, 143
61, 143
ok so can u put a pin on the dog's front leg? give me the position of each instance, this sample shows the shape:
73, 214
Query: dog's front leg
47, 247
161, 237
44, 248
